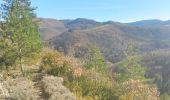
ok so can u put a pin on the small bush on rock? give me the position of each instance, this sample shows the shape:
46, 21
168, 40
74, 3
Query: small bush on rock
20, 89
55, 90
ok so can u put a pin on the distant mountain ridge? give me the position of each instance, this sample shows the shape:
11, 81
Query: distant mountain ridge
75, 36
52, 27
80, 23
150, 23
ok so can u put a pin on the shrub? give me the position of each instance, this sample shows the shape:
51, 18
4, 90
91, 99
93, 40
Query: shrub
96, 60
55, 90
92, 85
86, 84
137, 90
18, 89
165, 96
56, 64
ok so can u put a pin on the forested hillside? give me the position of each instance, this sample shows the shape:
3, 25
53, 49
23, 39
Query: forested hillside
146, 40
81, 59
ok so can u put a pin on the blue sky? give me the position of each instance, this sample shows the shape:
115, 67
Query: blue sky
104, 10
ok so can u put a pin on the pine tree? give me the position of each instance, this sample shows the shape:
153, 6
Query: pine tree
21, 27
95, 60
6, 55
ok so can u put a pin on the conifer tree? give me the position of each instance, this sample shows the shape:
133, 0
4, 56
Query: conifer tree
21, 28
96, 60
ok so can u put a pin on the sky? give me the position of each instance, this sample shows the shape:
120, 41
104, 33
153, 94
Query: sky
104, 10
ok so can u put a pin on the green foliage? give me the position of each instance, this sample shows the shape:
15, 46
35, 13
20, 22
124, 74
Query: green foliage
158, 69
165, 96
54, 64
130, 50
7, 59
94, 85
61, 71
20, 36
95, 82
130, 69
57, 64
84, 83
95, 60
19, 41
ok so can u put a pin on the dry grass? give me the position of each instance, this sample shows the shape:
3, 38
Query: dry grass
55, 90
17, 89
3, 92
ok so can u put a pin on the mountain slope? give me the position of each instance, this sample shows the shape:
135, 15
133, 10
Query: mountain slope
74, 37
50, 28
150, 23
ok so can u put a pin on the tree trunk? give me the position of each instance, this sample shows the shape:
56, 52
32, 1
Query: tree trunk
20, 60
21, 66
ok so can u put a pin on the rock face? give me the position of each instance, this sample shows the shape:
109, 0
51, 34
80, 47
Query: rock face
55, 90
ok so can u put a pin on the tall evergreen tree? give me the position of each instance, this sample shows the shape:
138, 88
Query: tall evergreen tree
21, 27
6, 55
96, 60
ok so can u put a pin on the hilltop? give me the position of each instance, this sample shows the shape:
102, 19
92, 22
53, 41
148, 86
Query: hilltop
71, 36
